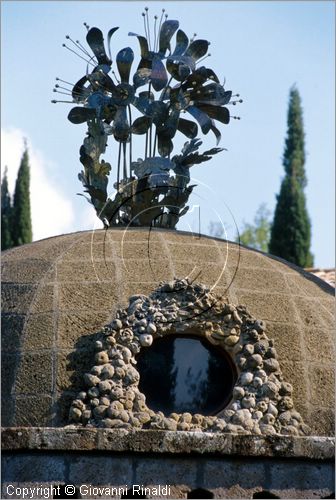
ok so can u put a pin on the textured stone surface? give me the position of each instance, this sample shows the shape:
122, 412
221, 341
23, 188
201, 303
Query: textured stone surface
66, 276
224, 477
159, 441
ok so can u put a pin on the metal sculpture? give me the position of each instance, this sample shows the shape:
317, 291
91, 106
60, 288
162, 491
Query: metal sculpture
152, 190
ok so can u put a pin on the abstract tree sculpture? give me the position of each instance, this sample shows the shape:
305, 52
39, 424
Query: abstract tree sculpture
166, 84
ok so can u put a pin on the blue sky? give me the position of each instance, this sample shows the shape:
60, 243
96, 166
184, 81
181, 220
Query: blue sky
261, 48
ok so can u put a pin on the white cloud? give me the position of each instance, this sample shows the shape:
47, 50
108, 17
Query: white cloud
52, 213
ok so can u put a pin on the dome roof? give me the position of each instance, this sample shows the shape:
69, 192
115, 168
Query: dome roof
58, 292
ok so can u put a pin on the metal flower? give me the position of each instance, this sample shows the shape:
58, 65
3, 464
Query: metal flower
175, 84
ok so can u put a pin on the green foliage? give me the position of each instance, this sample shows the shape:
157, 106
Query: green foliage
291, 228
294, 155
6, 215
257, 235
22, 227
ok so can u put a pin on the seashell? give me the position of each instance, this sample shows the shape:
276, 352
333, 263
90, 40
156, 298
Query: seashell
142, 416
260, 326
286, 403
112, 423
268, 418
262, 406
257, 415
119, 372
267, 429
238, 392
78, 403
104, 401
290, 429
86, 415
261, 374
269, 389
98, 345
94, 402
82, 395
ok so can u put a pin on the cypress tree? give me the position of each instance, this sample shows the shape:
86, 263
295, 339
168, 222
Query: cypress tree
291, 228
22, 227
6, 215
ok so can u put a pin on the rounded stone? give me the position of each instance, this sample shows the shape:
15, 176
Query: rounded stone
146, 340
271, 365
101, 358
151, 328
116, 324
238, 392
255, 360
246, 378
91, 380
231, 340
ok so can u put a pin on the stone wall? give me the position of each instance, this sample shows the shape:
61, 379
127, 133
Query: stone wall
221, 465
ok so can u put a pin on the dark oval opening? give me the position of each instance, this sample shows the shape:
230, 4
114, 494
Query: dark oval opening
186, 374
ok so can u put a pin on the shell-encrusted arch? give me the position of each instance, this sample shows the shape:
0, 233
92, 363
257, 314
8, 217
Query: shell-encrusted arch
261, 400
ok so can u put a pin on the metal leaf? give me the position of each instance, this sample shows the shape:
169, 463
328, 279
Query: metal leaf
141, 77
217, 133
168, 28
81, 115
142, 104
159, 77
95, 39
125, 58
121, 125
188, 128
143, 44
109, 36
213, 94
158, 112
217, 112
177, 70
170, 124
79, 91
197, 49
141, 125
213, 151
165, 145
196, 78
182, 42
201, 117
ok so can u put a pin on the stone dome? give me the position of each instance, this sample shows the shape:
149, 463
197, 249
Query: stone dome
57, 293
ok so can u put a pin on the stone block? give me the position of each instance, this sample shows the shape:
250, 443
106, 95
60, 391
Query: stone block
287, 340
39, 332
322, 385
16, 298
92, 271
319, 345
77, 329
322, 421
268, 306
180, 471
34, 468
11, 331
33, 411
43, 300
34, 374
311, 314
101, 470
71, 366
27, 271
148, 269
91, 296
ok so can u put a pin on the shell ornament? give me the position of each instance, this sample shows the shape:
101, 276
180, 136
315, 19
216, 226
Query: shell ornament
150, 99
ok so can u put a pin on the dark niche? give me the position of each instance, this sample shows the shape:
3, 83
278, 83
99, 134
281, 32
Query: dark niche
186, 374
